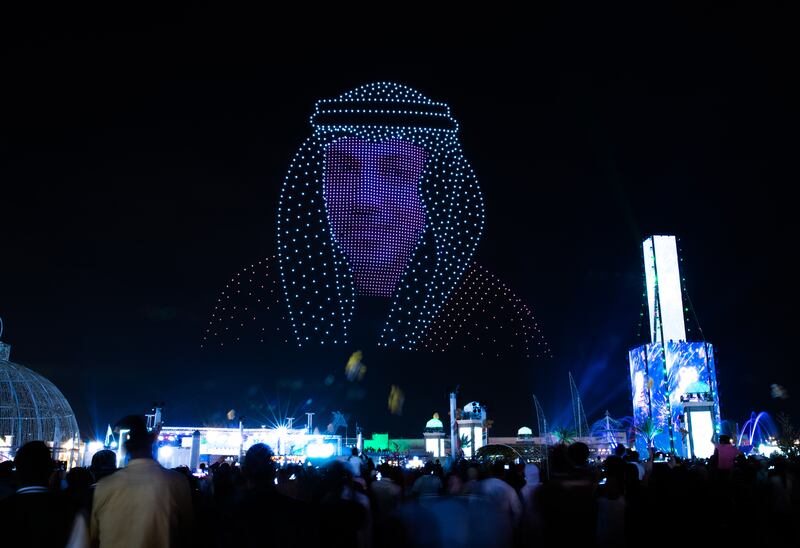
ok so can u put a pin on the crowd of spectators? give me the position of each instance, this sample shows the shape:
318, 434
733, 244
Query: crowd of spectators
623, 500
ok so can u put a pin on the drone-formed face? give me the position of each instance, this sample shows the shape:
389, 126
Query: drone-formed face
374, 208
378, 201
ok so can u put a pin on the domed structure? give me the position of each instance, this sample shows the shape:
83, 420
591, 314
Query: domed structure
32, 408
434, 424
434, 436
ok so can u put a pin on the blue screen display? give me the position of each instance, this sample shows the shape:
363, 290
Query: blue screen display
661, 379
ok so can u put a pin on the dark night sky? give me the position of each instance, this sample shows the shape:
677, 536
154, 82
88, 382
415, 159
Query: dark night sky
141, 167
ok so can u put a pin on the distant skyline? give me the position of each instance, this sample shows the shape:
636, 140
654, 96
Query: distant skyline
142, 167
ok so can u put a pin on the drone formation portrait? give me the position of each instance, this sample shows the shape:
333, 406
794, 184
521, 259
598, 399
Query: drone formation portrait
379, 210
430, 295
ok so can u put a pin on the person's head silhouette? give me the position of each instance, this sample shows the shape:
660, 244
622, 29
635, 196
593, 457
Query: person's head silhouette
139, 444
258, 467
33, 464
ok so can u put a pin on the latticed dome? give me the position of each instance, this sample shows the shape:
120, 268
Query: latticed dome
32, 408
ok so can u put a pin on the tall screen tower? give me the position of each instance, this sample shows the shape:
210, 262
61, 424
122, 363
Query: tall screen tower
663, 278
673, 381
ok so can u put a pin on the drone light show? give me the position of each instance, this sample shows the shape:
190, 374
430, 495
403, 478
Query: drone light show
484, 307
248, 296
378, 201
481, 310
374, 208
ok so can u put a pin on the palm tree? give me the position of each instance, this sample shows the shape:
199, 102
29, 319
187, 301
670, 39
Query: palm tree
649, 429
464, 441
788, 437
564, 434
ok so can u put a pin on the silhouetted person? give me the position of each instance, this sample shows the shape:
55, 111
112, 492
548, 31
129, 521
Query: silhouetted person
724, 454
222, 479
531, 530
264, 516
578, 454
437, 469
632, 458
143, 504
34, 515
501, 495
386, 496
355, 463
79, 481
345, 516
104, 463
567, 500
78, 495
428, 484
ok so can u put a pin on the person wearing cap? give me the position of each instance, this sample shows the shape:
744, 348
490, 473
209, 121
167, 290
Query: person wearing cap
143, 504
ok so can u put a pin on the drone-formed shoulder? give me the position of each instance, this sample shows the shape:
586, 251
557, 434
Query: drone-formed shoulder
248, 308
483, 314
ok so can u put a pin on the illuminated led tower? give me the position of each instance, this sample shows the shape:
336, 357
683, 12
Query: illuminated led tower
666, 373
663, 279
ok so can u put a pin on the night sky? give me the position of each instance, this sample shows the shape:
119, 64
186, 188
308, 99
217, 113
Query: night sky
141, 165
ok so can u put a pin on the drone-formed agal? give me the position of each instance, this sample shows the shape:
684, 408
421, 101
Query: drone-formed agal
379, 201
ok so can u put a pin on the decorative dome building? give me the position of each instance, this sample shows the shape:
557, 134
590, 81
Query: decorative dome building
32, 408
434, 436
